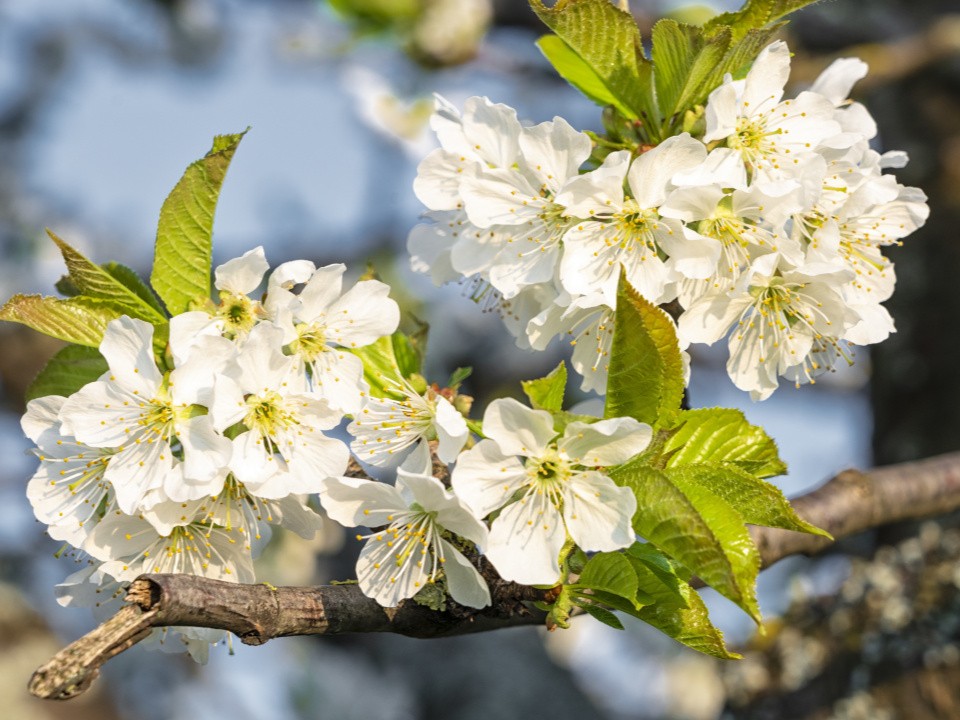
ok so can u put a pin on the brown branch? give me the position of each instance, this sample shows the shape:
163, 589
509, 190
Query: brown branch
848, 504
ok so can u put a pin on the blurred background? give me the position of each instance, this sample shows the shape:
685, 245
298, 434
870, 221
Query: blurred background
103, 103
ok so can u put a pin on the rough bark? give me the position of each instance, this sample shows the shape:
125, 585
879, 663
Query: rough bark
848, 504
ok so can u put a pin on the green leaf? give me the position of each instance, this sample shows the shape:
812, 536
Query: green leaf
406, 354
757, 502
458, 376
754, 14
78, 320
546, 393
611, 573
576, 71
67, 371
697, 528
135, 284
678, 610
645, 378
607, 40
99, 283
183, 255
723, 435
601, 614
380, 367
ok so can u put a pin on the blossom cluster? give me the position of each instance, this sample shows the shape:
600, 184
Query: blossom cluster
182, 464
185, 452
765, 223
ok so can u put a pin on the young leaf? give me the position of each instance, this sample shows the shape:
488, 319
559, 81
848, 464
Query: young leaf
407, 356
458, 376
576, 71
678, 610
697, 528
753, 15
99, 283
135, 284
599, 613
67, 371
723, 435
645, 378
546, 393
607, 40
613, 574
758, 502
184, 250
381, 368
78, 320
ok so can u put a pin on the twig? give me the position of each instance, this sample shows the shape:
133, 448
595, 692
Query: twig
848, 504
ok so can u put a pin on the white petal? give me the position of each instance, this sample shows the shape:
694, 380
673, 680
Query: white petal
138, 469
192, 382
387, 578
321, 290
355, 501
875, 325
518, 429
317, 457
525, 541
651, 174
836, 82
596, 192
451, 430
465, 584
363, 314
437, 184
598, 513
553, 151
604, 443
337, 377
418, 462
709, 319
242, 275
484, 478
42, 416
293, 515
766, 78
429, 247
451, 514
127, 346
492, 130
206, 458
187, 328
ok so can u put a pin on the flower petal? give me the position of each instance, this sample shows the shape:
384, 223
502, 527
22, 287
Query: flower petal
605, 443
525, 541
242, 275
484, 478
451, 430
518, 429
355, 501
465, 584
598, 513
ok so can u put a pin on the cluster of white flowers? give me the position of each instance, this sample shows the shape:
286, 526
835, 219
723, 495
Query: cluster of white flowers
766, 227
182, 465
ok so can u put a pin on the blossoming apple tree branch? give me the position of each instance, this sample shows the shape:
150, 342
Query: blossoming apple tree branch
850, 503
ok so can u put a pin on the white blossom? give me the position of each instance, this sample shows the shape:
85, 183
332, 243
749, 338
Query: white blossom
324, 321
142, 413
68, 491
385, 430
772, 138
280, 448
548, 487
410, 548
